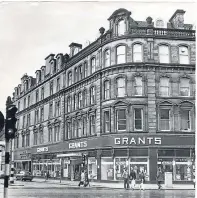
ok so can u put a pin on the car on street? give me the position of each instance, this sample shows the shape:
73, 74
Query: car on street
2, 174
24, 176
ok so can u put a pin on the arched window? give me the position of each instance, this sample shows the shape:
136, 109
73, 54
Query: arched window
120, 87
163, 54
107, 58
164, 86
106, 90
138, 86
68, 104
121, 28
183, 55
69, 78
80, 101
137, 53
93, 65
184, 87
121, 54
85, 98
92, 95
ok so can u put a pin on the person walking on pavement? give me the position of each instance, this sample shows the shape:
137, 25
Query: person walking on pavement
132, 178
46, 175
159, 178
125, 176
82, 179
87, 183
142, 180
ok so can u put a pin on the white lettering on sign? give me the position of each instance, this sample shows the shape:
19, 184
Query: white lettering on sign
75, 145
137, 140
42, 149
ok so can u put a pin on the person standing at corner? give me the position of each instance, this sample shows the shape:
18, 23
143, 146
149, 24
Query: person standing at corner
125, 176
133, 178
82, 179
142, 180
159, 178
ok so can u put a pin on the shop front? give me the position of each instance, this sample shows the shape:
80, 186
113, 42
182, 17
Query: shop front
107, 156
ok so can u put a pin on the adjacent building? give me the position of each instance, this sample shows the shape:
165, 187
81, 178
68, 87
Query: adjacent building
125, 100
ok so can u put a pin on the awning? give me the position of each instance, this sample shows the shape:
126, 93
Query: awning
70, 155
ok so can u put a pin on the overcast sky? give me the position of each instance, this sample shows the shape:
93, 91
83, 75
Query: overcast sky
30, 31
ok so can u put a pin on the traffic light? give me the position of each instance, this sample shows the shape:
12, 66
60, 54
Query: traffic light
10, 123
83, 158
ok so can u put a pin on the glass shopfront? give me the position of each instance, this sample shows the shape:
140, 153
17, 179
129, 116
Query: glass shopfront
179, 163
107, 168
42, 166
92, 168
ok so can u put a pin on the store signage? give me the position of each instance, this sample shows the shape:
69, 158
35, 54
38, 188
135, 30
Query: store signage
75, 145
42, 149
137, 141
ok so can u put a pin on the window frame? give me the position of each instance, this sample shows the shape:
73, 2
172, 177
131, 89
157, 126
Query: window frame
142, 118
179, 55
50, 134
138, 86
116, 118
107, 61
93, 66
92, 125
69, 104
108, 122
92, 95
189, 86
162, 86
134, 53
106, 90
164, 55
122, 32
118, 55
69, 78
170, 121
124, 78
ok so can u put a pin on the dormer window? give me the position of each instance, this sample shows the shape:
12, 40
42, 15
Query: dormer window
159, 23
76, 50
121, 28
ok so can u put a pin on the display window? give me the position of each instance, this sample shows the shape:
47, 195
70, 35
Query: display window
92, 168
138, 165
120, 164
107, 168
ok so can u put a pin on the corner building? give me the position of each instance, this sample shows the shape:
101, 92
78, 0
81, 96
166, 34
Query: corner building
125, 100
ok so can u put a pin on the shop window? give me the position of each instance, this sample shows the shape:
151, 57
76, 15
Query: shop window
138, 86
183, 55
92, 95
93, 65
107, 168
106, 90
92, 168
107, 58
69, 78
137, 53
106, 121
80, 100
121, 119
120, 164
85, 69
184, 87
50, 134
120, 87
164, 86
164, 119
79, 128
42, 93
85, 98
185, 120
84, 126
121, 28
80, 72
121, 54
138, 122
92, 125
164, 54
51, 88
68, 104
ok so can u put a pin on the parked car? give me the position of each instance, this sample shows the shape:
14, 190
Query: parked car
24, 176
2, 174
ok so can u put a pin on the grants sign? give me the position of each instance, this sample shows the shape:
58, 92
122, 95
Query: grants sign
75, 145
137, 141
42, 149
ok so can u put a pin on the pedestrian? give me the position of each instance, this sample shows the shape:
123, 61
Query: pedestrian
45, 175
87, 183
125, 176
159, 178
132, 178
82, 179
142, 179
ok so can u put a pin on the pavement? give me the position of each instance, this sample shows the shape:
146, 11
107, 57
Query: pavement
41, 183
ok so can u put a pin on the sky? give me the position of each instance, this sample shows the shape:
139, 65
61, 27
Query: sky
30, 31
